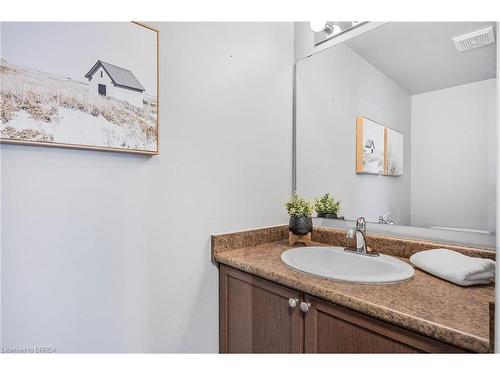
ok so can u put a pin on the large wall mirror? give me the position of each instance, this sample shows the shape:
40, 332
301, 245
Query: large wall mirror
399, 124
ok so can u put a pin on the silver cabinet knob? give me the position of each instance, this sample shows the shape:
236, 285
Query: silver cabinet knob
292, 302
304, 306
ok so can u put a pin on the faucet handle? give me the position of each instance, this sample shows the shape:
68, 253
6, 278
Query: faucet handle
361, 223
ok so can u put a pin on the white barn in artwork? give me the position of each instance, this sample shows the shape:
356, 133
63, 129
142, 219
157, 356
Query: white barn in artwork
110, 80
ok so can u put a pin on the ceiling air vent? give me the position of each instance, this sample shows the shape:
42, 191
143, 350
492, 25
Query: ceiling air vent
475, 39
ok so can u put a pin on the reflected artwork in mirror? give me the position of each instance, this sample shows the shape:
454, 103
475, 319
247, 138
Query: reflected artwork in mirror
394, 152
370, 146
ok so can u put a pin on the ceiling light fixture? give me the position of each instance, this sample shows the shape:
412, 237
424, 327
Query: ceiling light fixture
317, 26
331, 28
325, 30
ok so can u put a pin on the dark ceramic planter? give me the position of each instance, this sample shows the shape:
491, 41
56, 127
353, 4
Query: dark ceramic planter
300, 225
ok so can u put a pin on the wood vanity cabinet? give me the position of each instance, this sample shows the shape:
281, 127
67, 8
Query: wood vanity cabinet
255, 317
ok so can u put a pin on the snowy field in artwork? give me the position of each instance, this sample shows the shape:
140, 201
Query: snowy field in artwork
40, 107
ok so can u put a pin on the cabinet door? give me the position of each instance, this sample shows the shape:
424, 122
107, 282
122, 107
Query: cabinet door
255, 317
333, 329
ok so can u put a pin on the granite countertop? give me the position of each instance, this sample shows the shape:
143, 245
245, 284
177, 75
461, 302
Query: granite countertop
424, 304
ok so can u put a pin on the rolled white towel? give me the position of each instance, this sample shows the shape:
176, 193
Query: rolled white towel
455, 267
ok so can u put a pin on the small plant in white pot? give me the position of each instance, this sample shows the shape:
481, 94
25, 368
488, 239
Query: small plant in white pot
300, 211
327, 206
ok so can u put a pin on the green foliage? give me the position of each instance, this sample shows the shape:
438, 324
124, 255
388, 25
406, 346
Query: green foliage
327, 205
298, 206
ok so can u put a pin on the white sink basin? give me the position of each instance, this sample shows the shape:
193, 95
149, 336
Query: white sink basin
336, 264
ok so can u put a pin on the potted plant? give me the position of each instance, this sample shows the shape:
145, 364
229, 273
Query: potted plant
300, 211
327, 206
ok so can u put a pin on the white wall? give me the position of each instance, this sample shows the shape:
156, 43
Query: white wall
131, 96
107, 252
333, 87
97, 80
453, 157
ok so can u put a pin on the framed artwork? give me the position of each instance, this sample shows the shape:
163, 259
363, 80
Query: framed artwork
379, 150
87, 85
370, 146
394, 147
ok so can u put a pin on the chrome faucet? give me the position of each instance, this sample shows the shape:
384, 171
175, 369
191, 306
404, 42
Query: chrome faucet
385, 219
355, 233
382, 220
